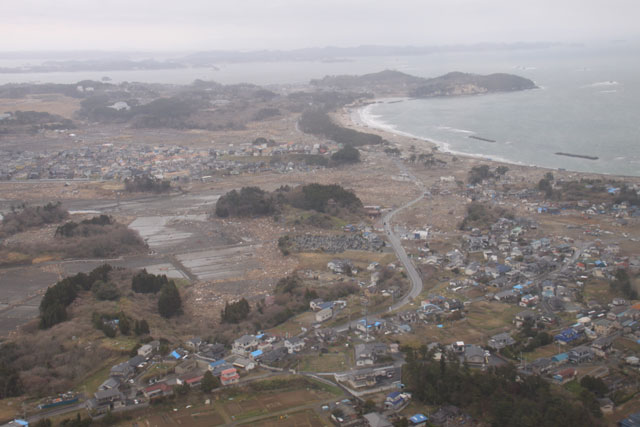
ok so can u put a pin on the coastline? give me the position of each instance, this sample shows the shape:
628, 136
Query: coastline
358, 118
362, 120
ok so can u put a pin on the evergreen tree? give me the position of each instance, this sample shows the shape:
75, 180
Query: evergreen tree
144, 327
236, 311
209, 382
123, 324
169, 302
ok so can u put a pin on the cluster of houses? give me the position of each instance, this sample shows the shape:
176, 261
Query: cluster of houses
130, 383
118, 162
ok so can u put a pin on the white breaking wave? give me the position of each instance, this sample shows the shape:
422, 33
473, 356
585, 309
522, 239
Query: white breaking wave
608, 91
373, 120
600, 84
449, 128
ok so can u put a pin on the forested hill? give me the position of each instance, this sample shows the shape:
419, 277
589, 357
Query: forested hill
457, 83
396, 83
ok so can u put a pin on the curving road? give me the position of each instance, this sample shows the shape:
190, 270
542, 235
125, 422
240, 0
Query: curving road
412, 273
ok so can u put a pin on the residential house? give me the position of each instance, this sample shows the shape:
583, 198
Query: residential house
324, 314
327, 335
245, 345
375, 419
136, 361
18, 422
218, 366
445, 415
501, 340
294, 345
145, 351
418, 420
529, 300
607, 405
315, 304
603, 327
275, 355
121, 370
475, 355
632, 420
211, 352
506, 296
366, 377
566, 336
370, 325
540, 366
340, 266
158, 390
108, 397
109, 383
453, 304
602, 345
229, 376
565, 375
560, 358
186, 366
368, 353
194, 344
244, 363
580, 354
192, 379
396, 400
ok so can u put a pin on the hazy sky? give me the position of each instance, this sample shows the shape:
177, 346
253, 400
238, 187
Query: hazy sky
285, 24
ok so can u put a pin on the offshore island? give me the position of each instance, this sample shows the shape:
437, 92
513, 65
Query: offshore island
170, 253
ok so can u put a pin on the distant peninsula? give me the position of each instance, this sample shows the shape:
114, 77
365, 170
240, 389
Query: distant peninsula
396, 83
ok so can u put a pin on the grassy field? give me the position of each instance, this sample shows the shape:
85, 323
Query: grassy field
91, 383
598, 290
491, 316
306, 418
338, 359
318, 261
253, 405
483, 320
10, 407
544, 351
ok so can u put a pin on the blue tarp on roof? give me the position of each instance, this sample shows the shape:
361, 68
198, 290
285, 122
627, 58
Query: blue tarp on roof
393, 395
175, 355
632, 420
418, 418
259, 336
256, 353
217, 363
21, 422
567, 335
560, 357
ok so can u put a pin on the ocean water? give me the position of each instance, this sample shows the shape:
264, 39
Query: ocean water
587, 104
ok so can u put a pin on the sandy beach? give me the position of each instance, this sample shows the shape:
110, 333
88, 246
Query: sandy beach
356, 117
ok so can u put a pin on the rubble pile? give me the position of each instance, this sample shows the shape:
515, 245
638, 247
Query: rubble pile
335, 244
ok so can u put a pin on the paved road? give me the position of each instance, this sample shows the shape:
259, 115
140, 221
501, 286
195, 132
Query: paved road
412, 273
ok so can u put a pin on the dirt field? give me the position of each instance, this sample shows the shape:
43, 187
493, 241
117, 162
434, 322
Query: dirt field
194, 412
58, 104
306, 418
